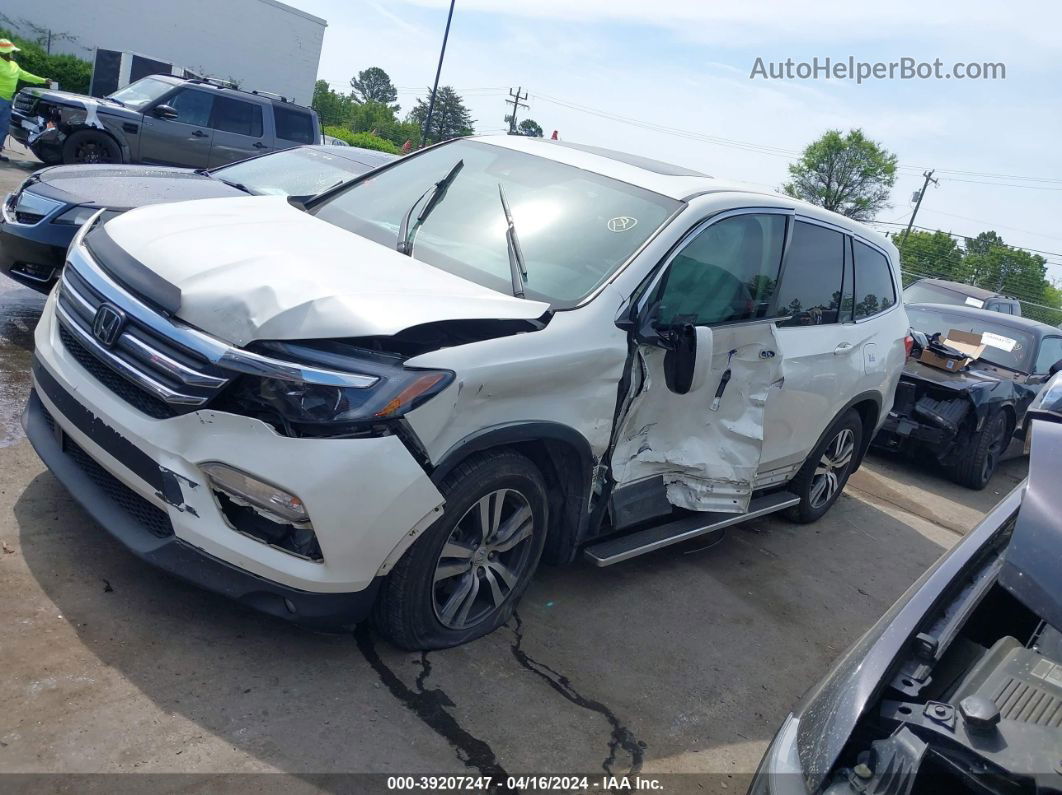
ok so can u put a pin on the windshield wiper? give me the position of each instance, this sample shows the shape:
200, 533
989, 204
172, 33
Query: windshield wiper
237, 185
436, 193
516, 256
112, 99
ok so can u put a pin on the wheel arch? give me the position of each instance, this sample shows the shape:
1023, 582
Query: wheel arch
123, 148
566, 461
868, 406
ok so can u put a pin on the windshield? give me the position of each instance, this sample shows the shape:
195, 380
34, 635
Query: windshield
575, 227
1005, 345
141, 93
298, 172
922, 293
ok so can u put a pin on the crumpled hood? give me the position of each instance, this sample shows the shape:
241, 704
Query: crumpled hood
256, 268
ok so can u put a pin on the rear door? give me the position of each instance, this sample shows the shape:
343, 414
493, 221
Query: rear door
185, 140
820, 344
239, 131
704, 452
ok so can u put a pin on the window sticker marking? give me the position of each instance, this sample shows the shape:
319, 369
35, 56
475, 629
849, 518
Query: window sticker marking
622, 223
971, 301
998, 341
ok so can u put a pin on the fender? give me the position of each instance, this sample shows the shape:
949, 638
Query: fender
569, 478
869, 434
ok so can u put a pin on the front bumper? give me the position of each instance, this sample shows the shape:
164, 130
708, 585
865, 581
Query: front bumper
33, 254
367, 498
96, 490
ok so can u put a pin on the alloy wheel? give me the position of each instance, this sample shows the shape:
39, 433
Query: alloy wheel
486, 556
833, 464
995, 450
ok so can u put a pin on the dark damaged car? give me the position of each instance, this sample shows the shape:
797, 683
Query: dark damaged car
958, 688
162, 119
966, 419
40, 218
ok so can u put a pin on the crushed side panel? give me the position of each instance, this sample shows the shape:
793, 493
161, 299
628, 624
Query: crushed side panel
708, 459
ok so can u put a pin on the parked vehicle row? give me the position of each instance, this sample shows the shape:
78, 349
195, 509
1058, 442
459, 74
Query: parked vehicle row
161, 119
965, 420
396, 397
38, 221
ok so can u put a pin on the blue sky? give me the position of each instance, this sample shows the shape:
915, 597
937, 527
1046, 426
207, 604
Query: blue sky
685, 65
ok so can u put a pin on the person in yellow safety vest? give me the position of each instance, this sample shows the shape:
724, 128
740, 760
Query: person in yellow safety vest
10, 74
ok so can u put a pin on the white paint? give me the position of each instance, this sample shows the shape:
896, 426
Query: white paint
709, 459
263, 44
976, 302
362, 495
256, 268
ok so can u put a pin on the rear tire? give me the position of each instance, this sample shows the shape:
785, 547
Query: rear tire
824, 475
463, 577
91, 146
981, 457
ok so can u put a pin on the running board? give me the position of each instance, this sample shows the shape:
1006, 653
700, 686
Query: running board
616, 550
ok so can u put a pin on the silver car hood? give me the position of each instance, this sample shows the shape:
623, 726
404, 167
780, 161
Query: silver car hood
253, 268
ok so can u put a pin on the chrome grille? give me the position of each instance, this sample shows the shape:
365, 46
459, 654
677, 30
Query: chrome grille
154, 363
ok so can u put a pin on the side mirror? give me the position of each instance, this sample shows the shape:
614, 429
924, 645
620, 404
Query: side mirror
164, 111
1054, 368
688, 358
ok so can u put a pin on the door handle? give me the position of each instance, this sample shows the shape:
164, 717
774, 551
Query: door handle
259, 145
199, 134
842, 347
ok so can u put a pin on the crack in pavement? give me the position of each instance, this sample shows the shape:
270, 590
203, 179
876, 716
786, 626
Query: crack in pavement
430, 706
621, 736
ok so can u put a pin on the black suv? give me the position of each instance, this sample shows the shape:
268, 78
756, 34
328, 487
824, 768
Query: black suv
196, 123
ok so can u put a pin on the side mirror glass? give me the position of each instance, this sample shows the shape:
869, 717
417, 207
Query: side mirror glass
688, 358
1055, 367
165, 111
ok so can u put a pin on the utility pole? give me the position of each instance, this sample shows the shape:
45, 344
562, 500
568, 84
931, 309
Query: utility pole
517, 101
438, 71
921, 194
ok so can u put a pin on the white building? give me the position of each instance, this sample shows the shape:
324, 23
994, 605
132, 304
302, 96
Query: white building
260, 44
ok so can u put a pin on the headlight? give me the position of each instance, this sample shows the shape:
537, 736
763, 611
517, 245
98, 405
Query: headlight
780, 772
31, 206
391, 390
76, 216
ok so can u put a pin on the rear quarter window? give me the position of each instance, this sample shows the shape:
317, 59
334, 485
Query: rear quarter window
875, 290
294, 125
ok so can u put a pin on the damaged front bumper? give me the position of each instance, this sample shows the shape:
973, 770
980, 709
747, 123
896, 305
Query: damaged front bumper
923, 420
142, 479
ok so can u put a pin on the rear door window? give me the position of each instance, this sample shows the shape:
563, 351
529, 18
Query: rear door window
1050, 352
810, 292
874, 288
236, 116
294, 125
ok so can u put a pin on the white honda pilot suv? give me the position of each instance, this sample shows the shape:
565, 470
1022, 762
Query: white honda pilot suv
395, 399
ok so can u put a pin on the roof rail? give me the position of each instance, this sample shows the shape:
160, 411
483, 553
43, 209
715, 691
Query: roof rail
215, 81
270, 94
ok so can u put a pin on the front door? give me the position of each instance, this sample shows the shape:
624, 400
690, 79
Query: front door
184, 140
705, 446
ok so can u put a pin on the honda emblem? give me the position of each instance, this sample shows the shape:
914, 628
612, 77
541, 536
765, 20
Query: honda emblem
108, 324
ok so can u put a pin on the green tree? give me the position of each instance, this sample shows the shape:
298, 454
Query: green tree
450, 118
983, 242
849, 174
374, 85
333, 108
930, 254
530, 128
1011, 271
72, 73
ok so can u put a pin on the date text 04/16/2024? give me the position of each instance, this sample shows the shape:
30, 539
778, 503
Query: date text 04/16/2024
575, 784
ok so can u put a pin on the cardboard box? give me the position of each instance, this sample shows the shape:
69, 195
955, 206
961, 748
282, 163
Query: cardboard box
971, 345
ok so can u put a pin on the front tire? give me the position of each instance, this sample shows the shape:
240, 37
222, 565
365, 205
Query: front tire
982, 456
823, 477
91, 146
463, 577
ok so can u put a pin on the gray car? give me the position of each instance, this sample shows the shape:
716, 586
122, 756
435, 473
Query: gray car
161, 119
